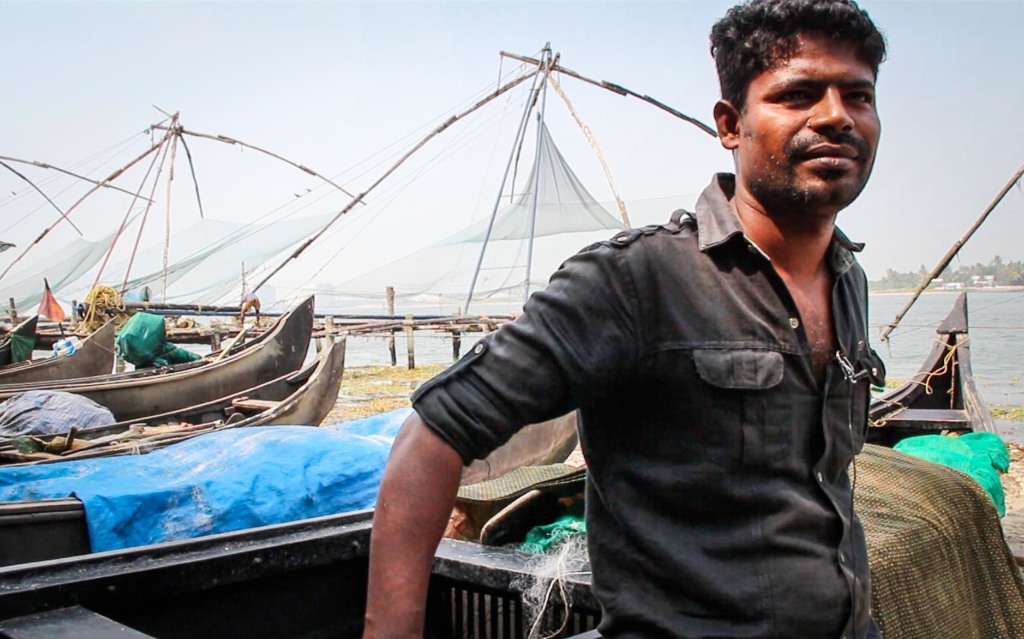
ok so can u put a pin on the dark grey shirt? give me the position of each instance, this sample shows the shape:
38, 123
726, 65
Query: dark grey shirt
719, 501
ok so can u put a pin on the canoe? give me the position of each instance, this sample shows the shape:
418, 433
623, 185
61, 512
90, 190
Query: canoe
26, 329
302, 397
302, 579
140, 393
94, 356
941, 397
307, 579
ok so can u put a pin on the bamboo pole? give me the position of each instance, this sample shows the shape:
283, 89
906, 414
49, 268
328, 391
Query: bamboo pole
195, 181
512, 157
548, 63
621, 90
389, 296
357, 199
44, 165
45, 196
108, 179
951, 253
593, 144
230, 140
167, 214
124, 222
142, 224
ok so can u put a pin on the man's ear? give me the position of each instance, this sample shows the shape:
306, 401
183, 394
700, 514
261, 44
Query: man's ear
727, 120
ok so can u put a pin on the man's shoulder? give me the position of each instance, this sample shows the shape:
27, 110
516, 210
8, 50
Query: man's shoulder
681, 224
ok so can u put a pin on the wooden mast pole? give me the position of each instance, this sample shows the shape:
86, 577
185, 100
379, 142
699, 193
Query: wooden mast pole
124, 223
228, 140
45, 196
357, 199
43, 165
951, 253
597, 149
621, 90
176, 128
142, 224
548, 61
516, 146
98, 186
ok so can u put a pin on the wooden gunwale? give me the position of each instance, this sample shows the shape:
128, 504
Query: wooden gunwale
95, 356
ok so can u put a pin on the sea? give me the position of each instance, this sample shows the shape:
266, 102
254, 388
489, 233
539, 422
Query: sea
996, 321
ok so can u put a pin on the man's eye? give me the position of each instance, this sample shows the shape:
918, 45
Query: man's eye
863, 96
794, 96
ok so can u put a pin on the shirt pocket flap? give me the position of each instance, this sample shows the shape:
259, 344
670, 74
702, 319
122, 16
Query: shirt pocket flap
742, 369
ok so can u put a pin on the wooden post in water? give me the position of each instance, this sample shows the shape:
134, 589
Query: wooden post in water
14, 310
329, 328
389, 296
410, 348
456, 338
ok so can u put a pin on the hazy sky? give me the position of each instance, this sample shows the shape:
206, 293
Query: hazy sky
330, 84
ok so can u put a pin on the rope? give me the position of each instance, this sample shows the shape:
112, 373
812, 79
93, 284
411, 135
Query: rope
926, 382
101, 303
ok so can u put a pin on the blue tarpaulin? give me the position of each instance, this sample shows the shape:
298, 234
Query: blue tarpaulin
219, 482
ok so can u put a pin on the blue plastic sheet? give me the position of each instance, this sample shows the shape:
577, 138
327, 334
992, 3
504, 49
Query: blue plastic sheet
42, 412
219, 482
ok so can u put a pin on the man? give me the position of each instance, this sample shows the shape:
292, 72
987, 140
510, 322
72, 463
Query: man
719, 364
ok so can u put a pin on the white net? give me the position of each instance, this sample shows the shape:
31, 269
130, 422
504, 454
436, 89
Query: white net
554, 209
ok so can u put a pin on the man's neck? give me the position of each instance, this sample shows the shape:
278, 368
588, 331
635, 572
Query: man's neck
796, 243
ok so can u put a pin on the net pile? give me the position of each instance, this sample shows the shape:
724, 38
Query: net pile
940, 566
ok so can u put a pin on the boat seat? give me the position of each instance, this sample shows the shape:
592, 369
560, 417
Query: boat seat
930, 419
244, 403
75, 622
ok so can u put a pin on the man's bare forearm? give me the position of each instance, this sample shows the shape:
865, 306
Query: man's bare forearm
415, 501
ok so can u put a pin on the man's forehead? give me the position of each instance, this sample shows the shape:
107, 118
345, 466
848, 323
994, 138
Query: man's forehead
816, 55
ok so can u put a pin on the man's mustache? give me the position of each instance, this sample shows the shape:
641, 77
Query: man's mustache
802, 146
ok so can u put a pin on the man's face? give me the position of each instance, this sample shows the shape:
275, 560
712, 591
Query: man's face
805, 141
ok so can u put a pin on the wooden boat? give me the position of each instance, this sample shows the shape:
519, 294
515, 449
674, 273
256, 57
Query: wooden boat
25, 329
307, 579
140, 393
942, 397
33, 530
95, 356
302, 397
302, 579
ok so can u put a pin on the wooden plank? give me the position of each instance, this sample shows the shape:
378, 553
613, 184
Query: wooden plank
244, 403
930, 419
75, 622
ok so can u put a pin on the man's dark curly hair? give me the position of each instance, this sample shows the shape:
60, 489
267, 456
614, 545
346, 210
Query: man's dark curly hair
758, 34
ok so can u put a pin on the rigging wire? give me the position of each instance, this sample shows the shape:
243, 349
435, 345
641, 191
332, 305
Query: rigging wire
46, 197
392, 192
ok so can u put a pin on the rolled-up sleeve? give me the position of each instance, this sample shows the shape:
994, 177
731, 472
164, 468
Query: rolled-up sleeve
571, 342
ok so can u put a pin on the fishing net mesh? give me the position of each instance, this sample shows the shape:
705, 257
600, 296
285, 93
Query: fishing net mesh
940, 565
561, 210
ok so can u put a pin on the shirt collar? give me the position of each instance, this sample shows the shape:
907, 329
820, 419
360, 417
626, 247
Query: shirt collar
717, 223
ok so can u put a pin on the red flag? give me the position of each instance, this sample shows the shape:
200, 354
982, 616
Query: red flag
49, 306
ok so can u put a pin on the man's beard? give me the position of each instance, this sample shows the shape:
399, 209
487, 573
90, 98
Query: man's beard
780, 192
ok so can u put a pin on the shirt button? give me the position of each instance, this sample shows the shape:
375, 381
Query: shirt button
820, 478
479, 349
794, 322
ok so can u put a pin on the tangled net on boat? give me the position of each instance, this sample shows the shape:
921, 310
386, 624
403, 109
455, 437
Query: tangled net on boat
545, 600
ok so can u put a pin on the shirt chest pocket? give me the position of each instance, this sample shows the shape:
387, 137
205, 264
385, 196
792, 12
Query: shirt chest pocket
731, 403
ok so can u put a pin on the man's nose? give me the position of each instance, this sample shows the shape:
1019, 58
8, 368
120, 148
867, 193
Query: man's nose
830, 113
